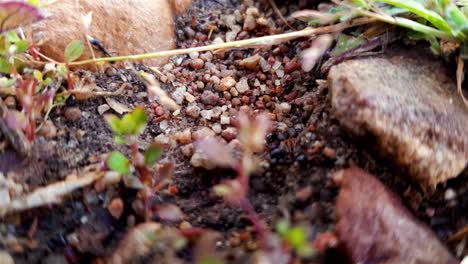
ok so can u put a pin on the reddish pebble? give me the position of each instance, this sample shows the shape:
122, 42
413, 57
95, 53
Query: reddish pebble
292, 66
197, 64
329, 153
116, 208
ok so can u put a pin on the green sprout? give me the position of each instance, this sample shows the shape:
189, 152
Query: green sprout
296, 238
126, 130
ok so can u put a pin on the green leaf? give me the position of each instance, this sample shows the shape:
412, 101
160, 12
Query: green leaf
38, 75
73, 51
457, 20
282, 227
11, 36
62, 70
152, 154
128, 126
21, 46
418, 8
345, 43
118, 162
114, 123
140, 117
120, 140
297, 237
4, 66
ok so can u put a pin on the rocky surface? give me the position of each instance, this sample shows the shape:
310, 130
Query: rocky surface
122, 27
408, 104
374, 226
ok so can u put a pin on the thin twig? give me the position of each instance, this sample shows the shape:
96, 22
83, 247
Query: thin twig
460, 74
277, 11
254, 42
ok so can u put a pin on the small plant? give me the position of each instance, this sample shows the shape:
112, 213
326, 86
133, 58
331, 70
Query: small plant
126, 130
296, 238
437, 21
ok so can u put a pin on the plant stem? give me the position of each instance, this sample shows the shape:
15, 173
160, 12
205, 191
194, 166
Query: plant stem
253, 42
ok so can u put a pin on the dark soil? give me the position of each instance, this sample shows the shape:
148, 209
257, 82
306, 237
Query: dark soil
295, 181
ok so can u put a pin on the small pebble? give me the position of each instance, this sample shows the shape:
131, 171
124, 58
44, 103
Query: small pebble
450, 194
242, 86
116, 207
48, 130
209, 98
10, 102
251, 62
229, 133
72, 113
103, 108
193, 110
203, 133
197, 64
329, 152
227, 83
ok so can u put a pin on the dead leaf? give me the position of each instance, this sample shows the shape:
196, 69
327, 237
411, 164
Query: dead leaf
50, 194
117, 106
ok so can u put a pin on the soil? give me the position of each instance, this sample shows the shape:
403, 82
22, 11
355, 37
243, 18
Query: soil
295, 181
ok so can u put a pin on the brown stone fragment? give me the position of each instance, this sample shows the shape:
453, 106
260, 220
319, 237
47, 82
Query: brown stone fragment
374, 226
408, 105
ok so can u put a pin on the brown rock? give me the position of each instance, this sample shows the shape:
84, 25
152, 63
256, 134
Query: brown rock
409, 105
72, 113
179, 6
374, 226
251, 62
137, 26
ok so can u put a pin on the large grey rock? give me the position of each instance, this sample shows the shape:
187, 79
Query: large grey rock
408, 104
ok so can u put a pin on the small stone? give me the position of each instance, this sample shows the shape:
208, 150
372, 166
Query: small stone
164, 140
203, 133
185, 225
110, 71
184, 137
229, 133
207, 114
450, 194
103, 108
197, 64
217, 128
48, 130
329, 152
252, 11
225, 120
283, 108
72, 113
179, 94
227, 83
233, 92
251, 62
249, 23
193, 110
215, 79
242, 86
217, 111
194, 55
209, 98
116, 207
189, 97
291, 66
187, 150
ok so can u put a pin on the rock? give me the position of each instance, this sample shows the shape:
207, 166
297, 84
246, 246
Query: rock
227, 83
197, 64
72, 113
249, 23
136, 243
132, 30
179, 94
193, 110
103, 108
48, 130
116, 208
203, 132
251, 62
206, 114
209, 98
179, 6
242, 86
374, 226
409, 105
